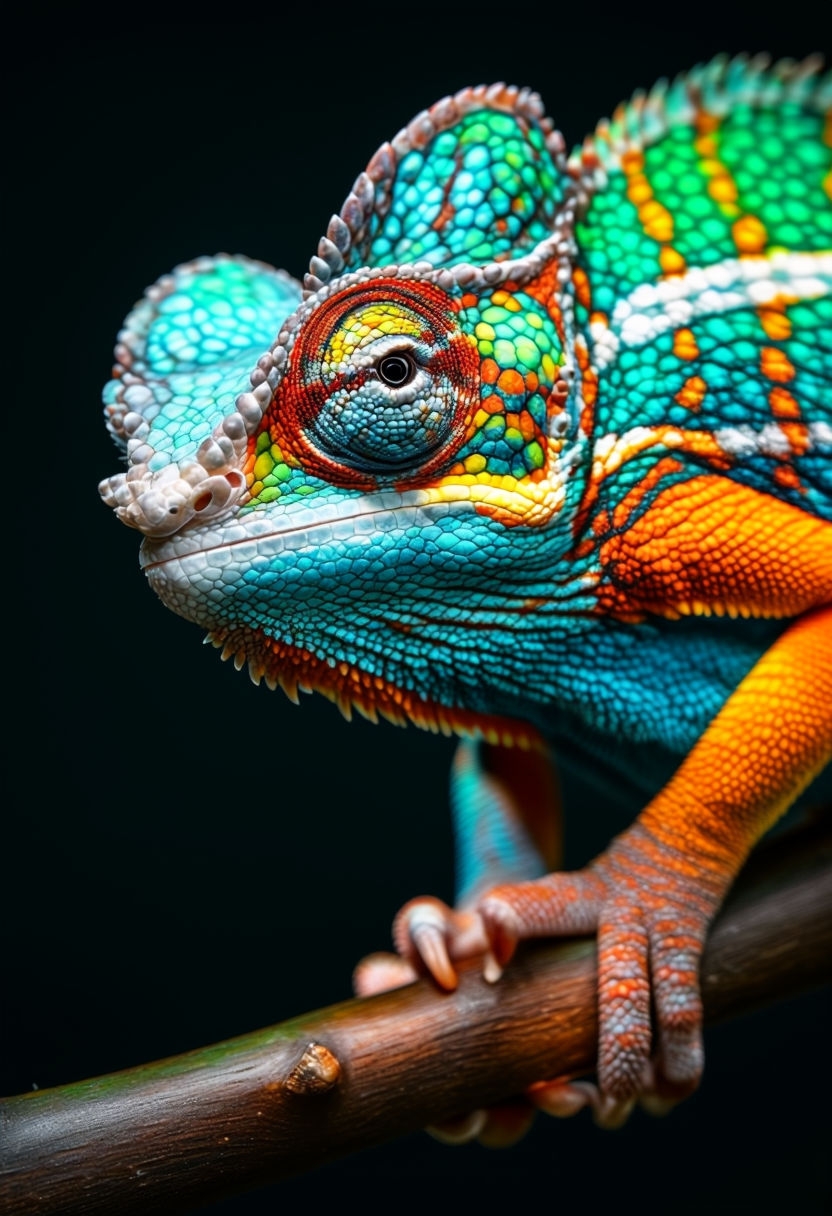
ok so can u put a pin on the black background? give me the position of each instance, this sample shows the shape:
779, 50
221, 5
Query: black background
186, 857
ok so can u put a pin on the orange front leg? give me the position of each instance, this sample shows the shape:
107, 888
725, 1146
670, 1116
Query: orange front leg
706, 546
653, 893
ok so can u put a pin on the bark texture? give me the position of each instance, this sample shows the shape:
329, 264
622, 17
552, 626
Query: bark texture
168, 1136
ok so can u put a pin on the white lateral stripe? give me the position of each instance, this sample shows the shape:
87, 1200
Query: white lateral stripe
653, 308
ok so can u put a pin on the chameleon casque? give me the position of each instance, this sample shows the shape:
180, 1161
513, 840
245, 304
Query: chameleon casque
540, 453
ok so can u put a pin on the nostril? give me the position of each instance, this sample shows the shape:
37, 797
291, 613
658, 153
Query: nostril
235, 479
202, 502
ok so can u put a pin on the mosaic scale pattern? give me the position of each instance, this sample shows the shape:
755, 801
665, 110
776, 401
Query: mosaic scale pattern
539, 453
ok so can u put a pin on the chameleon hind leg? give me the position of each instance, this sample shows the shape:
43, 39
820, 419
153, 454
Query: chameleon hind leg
507, 829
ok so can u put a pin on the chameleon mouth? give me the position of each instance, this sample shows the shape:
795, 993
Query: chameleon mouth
196, 542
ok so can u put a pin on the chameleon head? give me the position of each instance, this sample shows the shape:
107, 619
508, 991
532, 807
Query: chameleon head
404, 441
341, 508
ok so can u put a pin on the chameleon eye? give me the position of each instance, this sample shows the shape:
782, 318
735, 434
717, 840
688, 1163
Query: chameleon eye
381, 382
396, 369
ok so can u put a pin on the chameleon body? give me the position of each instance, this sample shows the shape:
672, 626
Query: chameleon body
540, 454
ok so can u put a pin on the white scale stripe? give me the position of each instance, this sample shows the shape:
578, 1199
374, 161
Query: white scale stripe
653, 308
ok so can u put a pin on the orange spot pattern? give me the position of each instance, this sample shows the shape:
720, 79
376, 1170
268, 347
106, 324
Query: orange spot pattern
776, 325
653, 216
721, 185
685, 345
775, 365
692, 393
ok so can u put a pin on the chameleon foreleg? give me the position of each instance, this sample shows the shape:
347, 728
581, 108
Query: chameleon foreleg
653, 893
507, 828
506, 816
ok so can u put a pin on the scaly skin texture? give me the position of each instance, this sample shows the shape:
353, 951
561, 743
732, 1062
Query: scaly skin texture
541, 454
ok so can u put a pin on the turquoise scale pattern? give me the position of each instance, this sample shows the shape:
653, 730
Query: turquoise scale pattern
484, 190
641, 388
194, 346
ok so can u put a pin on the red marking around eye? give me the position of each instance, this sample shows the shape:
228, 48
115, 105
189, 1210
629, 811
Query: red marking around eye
300, 396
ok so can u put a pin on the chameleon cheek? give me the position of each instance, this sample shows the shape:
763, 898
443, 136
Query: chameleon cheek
381, 383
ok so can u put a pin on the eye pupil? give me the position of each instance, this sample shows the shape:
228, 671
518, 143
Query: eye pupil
396, 369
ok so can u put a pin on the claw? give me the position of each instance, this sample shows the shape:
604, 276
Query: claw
502, 930
491, 969
421, 935
460, 1131
429, 942
563, 1099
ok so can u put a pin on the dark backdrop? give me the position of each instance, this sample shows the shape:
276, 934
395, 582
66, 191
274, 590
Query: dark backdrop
157, 891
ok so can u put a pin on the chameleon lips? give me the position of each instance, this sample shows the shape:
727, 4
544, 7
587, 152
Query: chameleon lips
200, 582
387, 510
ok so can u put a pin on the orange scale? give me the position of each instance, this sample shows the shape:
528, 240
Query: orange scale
489, 371
775, 365
494, 404
785, 475
783, 404
797, 434
511, 382
527, 426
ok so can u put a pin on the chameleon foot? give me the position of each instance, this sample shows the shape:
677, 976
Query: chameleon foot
498, 1127
431, 936
651, 925
651, 930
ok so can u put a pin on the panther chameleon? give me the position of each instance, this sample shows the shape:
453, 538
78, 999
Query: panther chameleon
539, 454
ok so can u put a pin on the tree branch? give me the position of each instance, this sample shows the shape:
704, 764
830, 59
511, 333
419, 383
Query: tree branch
218, 1121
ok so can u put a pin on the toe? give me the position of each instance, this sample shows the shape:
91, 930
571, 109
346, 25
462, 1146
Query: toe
623, 1005
431, 936
460, 1131
563, 1099
381, 972
676, 951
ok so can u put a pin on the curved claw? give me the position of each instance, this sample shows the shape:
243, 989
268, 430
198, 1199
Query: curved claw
563, 1099
502, 931
427, 931
431, 936
459, 1131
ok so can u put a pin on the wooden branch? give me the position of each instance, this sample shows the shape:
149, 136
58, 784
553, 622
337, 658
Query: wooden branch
212, 1123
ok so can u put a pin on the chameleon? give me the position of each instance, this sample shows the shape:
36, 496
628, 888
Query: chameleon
538, 454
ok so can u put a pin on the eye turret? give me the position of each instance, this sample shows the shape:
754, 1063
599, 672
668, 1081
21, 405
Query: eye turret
382, 384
